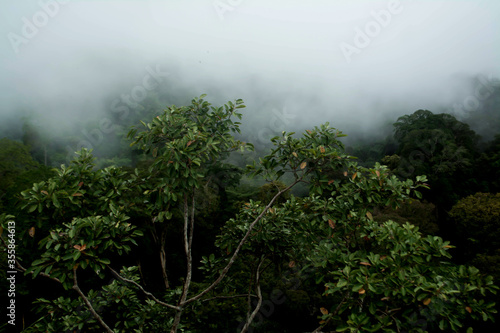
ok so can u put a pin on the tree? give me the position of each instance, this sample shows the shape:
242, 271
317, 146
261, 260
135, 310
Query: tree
441, 147
477, 221
90, 220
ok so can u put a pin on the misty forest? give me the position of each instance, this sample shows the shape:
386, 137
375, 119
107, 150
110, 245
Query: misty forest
247, 167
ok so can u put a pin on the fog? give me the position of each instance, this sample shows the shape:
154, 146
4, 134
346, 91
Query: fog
296, 64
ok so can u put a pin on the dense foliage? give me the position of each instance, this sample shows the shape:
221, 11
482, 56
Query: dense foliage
177, 245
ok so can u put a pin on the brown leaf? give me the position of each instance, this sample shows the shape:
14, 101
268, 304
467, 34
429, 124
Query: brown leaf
331, 223
77, 194
322, 149
155, 152
345, 173
378, 173
469, 309
383, 257
385, 298
31, 232
295, 154
80, 248
369, 215
291, 264
361, 291
189, 143
303, 165
354, 176
427, 301
323, 311
330, 182
364, 263
80, 184
44, 192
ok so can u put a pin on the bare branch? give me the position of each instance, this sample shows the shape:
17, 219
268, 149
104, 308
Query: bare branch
259, 295
147, 293
89, 305
240, 245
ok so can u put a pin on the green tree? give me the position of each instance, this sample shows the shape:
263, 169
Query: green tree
377, 275
441, 147
477, 219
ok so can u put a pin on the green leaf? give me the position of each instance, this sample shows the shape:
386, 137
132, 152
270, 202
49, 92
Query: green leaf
76, 255
38, 262
48, 269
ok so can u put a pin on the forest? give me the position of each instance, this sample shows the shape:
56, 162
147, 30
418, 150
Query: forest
177, 223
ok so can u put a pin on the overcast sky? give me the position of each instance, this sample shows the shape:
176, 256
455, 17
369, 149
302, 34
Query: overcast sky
352, 63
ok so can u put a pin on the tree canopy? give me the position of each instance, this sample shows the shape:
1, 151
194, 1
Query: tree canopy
123, 245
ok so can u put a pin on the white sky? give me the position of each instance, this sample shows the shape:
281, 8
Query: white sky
273, 54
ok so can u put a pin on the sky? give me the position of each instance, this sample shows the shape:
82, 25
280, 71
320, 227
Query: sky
296, 64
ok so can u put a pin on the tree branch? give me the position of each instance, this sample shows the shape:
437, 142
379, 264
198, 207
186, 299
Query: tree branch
259, 295
240, 245
147, 293
188, 240
89, 305
20, 267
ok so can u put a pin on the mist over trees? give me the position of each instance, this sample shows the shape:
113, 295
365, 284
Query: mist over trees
339, 172
179, 236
